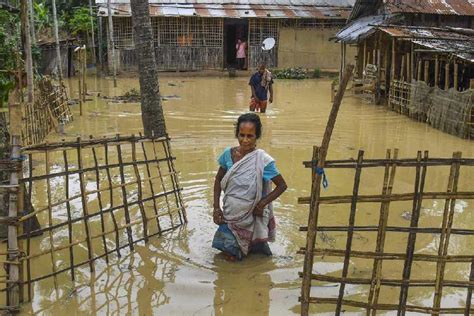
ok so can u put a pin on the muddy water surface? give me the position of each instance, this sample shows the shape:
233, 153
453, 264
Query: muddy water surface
181, 274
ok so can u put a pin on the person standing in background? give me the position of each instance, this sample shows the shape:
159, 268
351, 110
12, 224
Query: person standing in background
240, 48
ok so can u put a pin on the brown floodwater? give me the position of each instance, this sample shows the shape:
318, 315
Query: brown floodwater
180, 274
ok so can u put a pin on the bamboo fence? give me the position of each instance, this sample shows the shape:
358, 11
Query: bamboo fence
49, 110
446, 230
94, 199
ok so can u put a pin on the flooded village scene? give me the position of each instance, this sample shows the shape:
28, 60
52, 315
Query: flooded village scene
258, 157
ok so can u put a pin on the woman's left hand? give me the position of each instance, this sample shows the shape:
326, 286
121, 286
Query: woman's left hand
259, 208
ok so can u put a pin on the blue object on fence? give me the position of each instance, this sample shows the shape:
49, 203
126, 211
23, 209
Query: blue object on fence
320, 171
21, 158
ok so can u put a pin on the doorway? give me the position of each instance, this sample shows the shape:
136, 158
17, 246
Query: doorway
233, 30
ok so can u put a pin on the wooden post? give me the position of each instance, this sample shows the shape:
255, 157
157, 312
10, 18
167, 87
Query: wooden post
111, 42
365, 55
419, 70
79, 88
437, 71
394, 69
408, 59
426, 77
412, 62
446, 76
316, 190
456, 81
402, 69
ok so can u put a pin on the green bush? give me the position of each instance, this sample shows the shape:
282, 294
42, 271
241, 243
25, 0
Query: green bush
290, 73
316, 73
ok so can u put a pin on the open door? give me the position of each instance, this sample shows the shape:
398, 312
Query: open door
233, 30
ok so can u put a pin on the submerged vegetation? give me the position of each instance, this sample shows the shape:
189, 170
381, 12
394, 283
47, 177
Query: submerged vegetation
296, 73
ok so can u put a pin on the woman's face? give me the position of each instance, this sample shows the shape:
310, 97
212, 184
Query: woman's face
247, 135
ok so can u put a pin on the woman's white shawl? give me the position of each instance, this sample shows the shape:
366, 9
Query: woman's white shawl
243, 187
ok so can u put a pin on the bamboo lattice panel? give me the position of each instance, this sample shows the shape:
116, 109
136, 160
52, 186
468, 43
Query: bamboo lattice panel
94, 199
404, 246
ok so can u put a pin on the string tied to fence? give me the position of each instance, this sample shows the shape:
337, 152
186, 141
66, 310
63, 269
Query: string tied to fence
320, 171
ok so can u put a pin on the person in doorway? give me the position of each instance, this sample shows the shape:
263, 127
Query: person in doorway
240, 48
261, 83
245, 219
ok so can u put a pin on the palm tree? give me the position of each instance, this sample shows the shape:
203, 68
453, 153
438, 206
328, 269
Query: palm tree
152, 111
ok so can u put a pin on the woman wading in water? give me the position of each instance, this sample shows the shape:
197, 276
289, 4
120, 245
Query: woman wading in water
246, 221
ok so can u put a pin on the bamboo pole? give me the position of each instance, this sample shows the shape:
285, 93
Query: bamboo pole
99, 41
350, 231
58, 46
69, 214
402, 69
124, 196
111, 42
27, 50
365, 56
389, 179
314, 209
111, 201
140, 192
417, 201
408, 59
85, 208
91, 13
437, 71
150, 183
99, 199
28, 239
13, 291
84, 73
50, 218
448, 216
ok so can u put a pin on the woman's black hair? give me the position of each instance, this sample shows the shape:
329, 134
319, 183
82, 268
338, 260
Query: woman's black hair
252, 118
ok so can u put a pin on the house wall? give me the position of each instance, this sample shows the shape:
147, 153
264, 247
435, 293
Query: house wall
311, 48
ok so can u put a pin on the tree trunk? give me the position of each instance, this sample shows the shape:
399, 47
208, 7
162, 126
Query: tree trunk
92, 32
152, 112
32, 22
58, 47
26, 37
111, 42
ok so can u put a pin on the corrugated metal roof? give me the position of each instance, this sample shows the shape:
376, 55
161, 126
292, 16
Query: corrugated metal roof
234, 11
360, 29
335, 3
452, 41
441, 7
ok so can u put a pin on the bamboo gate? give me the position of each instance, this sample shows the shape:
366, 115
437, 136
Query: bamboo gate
95, 199
375, 276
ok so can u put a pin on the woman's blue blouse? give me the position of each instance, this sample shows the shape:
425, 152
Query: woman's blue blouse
225, 161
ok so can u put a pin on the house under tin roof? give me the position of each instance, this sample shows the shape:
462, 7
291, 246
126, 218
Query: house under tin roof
202, 34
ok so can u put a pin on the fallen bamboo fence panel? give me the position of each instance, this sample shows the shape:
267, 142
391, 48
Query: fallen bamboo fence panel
419, 278
94, 199
46, 114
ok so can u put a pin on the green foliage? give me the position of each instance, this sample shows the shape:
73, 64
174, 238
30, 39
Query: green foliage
43, 19
9, 39
290, 73
80, 21
316, 73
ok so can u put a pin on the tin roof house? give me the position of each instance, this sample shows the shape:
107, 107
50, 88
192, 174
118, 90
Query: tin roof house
202, 34
418, 57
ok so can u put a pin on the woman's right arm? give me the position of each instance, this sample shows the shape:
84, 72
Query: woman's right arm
217, 215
